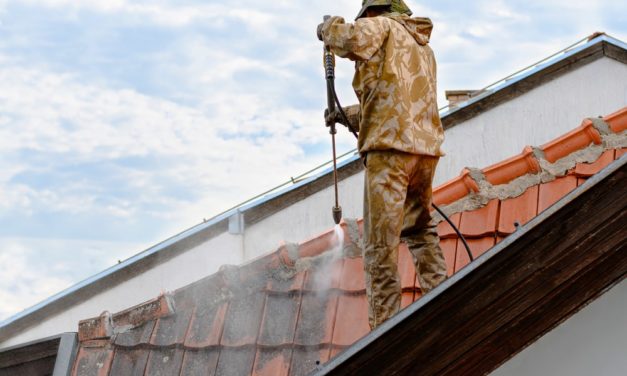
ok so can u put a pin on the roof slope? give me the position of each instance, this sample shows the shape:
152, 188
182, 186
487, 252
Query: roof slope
289, 311
265, 205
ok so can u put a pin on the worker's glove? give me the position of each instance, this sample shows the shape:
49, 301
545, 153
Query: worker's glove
319, 31
321, 27
352, 113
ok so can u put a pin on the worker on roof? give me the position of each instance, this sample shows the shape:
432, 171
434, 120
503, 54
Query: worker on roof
400, 134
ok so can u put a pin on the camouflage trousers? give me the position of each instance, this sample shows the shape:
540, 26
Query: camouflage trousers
397, 203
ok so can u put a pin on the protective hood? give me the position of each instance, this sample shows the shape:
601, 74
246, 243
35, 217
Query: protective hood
397, 6
419, 27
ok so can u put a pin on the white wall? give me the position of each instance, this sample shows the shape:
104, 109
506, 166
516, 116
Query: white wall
592, 342
305, 219
534, 118
538, 116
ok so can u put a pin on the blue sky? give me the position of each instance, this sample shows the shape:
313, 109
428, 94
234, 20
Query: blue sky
124, 122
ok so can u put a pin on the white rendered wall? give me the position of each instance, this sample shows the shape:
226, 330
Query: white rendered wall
592, 342
305, 219
534, 118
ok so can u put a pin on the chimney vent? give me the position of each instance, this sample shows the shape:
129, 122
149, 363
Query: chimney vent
457, 96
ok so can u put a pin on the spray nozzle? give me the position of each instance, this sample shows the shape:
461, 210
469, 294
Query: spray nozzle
337, 214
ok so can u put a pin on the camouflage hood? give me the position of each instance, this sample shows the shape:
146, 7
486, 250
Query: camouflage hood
419, 27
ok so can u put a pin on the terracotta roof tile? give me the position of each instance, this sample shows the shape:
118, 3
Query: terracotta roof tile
272, 362
206, 325
518, 211
480, 222
449, 248
93, 359
171, 330
200, 362
287, 312
326, 277
352, 275
455, 189
236, 361
589, 169
550, 193
572, 141
287, 284
351, 322
164, 362
129, 361
305, 360
617, 120
620, 152
279, 319
135, 336
511, 168
317, 318
445, 230
242, 321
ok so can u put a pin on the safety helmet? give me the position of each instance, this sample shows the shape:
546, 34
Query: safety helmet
396, 6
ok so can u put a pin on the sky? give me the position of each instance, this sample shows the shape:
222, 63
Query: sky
124, 122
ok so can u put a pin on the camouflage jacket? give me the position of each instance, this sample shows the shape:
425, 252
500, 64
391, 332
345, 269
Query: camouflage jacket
395, 81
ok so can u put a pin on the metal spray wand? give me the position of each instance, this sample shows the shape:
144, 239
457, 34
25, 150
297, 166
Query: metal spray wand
329, 69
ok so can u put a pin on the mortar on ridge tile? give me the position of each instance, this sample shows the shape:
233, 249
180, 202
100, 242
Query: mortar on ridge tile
550, 171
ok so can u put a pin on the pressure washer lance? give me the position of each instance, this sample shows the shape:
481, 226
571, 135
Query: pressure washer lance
329, 69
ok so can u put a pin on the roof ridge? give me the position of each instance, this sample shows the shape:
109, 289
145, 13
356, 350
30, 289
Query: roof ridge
510, 178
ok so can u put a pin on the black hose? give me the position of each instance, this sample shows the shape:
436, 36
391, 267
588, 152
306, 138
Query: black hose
350, 127
456, 230
339, 106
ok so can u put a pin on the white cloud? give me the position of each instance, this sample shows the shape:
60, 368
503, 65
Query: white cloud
30, 274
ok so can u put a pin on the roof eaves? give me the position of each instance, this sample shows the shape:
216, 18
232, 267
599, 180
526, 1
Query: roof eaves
341, 363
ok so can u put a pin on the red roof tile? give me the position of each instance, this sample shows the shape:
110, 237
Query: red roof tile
480, 222
550, 193
351, 321
617, 120
518, 211
572, 141
287, 312
509, 169
272, 362
589, 169
200, 362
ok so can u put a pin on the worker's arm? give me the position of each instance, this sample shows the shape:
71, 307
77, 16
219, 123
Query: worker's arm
358, 41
